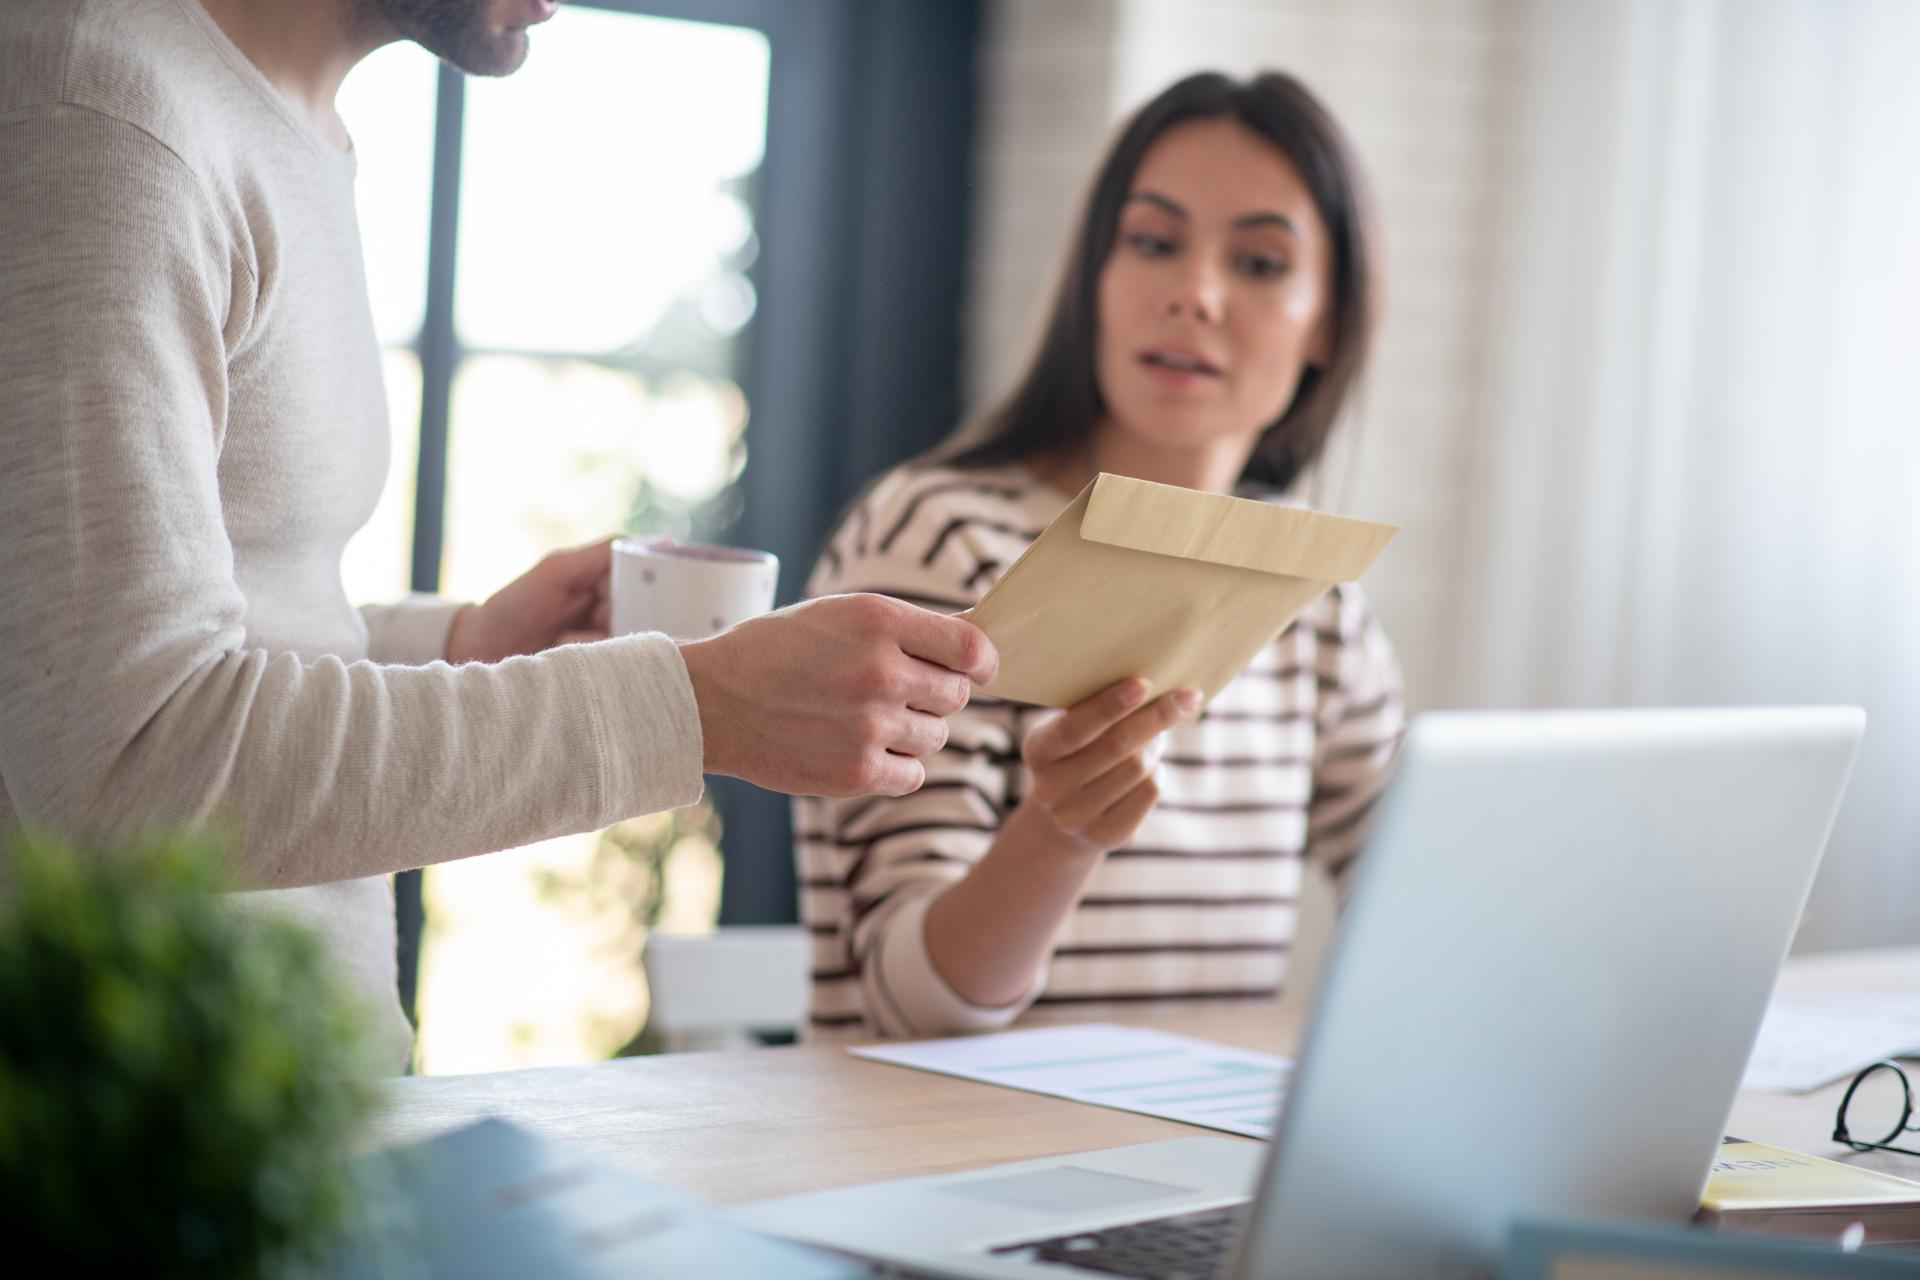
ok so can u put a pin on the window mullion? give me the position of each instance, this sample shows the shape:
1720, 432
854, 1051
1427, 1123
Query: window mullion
439, 345
439, 356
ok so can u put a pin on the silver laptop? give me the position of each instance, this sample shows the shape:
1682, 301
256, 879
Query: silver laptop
1539, 1002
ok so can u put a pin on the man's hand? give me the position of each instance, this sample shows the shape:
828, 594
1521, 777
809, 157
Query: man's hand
835, 697
561, 600
1092, 765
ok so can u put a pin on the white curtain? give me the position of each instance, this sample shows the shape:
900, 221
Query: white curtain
1701, 472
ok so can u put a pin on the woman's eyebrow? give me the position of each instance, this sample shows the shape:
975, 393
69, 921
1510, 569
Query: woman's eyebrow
1266, 218
1159, 201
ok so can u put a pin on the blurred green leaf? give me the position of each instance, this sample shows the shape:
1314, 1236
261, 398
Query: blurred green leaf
180, 1089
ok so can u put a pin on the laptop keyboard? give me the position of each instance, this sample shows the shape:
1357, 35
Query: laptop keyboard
1193, 1246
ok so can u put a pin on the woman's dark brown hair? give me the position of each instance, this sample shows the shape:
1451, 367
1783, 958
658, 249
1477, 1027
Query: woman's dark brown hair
1058, 403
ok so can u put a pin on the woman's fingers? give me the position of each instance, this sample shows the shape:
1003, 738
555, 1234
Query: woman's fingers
1116, 826
1079, 810
1075, 728
1119, 741
1104, 787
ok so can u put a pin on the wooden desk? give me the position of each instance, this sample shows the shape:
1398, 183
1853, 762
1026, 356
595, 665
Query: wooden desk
744, 1125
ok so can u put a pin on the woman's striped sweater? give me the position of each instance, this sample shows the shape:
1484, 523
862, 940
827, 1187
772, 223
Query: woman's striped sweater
1284, 765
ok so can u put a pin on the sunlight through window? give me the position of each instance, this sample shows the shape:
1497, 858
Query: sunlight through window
601, 301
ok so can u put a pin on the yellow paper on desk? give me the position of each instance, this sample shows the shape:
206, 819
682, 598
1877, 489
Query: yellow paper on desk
1751, 1176
1179, 586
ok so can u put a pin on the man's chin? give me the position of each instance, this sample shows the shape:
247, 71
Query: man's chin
500, 56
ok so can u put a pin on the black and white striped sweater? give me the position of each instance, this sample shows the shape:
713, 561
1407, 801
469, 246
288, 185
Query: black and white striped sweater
1284, 765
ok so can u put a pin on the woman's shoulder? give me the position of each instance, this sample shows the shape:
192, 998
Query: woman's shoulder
907, 511
1342, 616
908, 518
1338, 631
906, 493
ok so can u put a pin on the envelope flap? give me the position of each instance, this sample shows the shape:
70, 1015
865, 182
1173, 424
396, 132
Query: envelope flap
1171, 521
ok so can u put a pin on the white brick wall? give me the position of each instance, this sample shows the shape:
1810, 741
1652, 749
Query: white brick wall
1419, 84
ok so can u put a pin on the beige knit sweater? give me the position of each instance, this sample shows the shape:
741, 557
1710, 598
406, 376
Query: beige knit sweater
194, 424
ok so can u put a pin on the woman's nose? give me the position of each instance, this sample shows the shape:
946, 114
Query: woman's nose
1200, 295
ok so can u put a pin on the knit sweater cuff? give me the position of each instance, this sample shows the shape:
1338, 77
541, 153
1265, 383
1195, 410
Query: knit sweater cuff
651, 746
411, 632
910, 989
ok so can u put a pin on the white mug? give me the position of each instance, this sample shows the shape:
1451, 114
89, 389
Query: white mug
688, 589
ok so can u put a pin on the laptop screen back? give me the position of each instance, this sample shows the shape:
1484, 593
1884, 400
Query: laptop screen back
1547, 982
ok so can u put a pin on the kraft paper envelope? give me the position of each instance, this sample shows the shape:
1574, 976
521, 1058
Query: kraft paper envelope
1144, 579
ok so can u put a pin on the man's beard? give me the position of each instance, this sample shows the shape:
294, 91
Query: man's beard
454, 30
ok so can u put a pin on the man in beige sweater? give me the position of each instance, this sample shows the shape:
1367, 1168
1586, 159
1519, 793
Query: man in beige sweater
194, 423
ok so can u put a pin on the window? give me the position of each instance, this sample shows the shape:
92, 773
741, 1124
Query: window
589, 371
697, 266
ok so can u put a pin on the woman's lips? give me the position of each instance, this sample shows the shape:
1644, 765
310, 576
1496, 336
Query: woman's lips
1178, 366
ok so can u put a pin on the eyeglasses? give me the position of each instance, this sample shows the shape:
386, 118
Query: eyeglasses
1878, 1101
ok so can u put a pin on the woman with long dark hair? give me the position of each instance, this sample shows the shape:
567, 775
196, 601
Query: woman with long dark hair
1213, 316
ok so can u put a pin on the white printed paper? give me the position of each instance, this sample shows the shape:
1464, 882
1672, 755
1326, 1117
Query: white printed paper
1153, 1073
1806, 1043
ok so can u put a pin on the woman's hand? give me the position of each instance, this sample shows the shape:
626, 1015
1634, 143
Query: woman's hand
1093, 764
990, 931
561, 600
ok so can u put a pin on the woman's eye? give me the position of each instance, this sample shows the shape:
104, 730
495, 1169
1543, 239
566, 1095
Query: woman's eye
1149, 245
1261, 266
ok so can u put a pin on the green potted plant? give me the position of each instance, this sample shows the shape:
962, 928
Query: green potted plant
180, 1089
